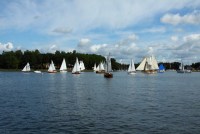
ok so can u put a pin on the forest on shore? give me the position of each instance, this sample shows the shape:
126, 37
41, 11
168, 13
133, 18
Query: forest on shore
18, 59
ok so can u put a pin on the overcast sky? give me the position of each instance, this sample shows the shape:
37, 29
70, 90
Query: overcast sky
127, 29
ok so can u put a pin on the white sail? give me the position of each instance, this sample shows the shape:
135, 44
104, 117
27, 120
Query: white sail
63, 66
181, 67
108, 70
131, 67
26, 68
52, 64
101, 66
76, 67
82, 66
148, 63
95, 68
142, 65
108, 64
51, 67
154, 63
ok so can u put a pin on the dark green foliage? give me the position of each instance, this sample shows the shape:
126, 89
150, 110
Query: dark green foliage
37, 60
196, 65
8, 60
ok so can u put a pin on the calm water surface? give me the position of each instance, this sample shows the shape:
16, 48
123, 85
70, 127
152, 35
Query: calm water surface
165, 103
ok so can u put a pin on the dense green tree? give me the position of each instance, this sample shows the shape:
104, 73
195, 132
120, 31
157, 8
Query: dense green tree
9, 60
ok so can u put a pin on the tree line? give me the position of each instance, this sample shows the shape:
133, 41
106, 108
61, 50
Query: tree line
18, 59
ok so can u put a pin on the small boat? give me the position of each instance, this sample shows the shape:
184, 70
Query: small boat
148, 65
161, 68
108, 69
131, 68
76, 69
63, 67
182, 69
37, 71
26, 68
52, 68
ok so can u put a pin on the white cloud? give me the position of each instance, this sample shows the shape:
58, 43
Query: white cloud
170, 51
79, 19
175, 19
192, 37
6, 47
133, 37
99, 48
62, 30
174, 38
52, 49
82, 16
84, 42
155, 30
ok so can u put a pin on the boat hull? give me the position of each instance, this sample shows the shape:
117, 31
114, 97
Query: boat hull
108, 75
161, 71
132, 72
63, 71
76, 73
150, 71
100, 72
183, 71
37, 72
52, 71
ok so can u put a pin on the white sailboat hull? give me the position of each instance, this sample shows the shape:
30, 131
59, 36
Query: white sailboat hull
132, 72
184, 71
63, 71
37, 72
52, 71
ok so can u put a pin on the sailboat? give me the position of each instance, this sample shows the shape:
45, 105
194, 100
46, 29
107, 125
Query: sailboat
63, 67
37, 71
131, 68
82, 66
161, 68
148, 65
94, 68
100, 68
182, 69
26, 68
52, 68
76, 69
107, 73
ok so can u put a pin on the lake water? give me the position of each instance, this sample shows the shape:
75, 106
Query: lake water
45, 103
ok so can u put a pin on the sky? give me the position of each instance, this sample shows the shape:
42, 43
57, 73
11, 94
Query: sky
128, 29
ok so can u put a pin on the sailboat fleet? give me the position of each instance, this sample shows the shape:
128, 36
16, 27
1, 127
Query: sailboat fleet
148, 65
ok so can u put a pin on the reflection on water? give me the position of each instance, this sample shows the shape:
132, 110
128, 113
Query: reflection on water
89, 103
